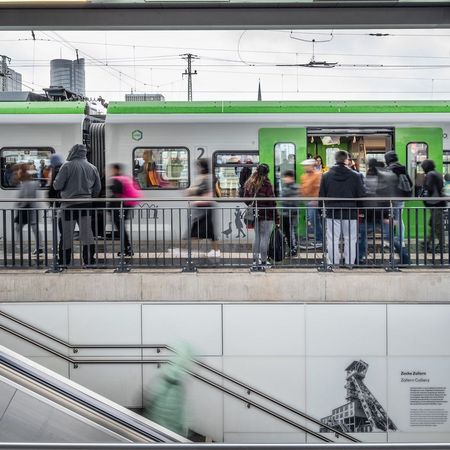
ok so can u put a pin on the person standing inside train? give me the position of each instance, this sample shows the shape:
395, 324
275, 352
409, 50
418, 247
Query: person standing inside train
258, 185
78, 179
341, 215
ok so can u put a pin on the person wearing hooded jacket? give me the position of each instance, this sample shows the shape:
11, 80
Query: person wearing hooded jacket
433, 188
77, 179
341, 215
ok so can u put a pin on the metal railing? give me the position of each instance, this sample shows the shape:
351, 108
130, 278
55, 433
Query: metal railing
249, 390
191, 233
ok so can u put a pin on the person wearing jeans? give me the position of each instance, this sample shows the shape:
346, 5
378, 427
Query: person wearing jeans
341, 215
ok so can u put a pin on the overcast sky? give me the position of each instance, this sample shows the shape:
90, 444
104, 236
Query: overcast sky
416, 63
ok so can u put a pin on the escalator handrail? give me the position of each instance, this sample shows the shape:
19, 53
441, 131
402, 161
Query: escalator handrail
85, 397
167, 347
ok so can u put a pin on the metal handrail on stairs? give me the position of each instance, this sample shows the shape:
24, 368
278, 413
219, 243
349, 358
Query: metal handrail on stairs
76, 361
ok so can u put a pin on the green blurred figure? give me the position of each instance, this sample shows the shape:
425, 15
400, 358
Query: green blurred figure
166, 405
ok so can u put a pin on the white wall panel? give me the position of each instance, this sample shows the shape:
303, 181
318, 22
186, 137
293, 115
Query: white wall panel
419, 330
54, 363
6, 394
338, 330
104, 323
121, 383
200, 326
279, 377
264, 330
419, 437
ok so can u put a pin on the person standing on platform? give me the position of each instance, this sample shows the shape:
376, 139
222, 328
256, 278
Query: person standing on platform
78, 179
341, 215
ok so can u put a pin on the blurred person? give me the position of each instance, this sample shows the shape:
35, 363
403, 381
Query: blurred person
77, 179
289, 188
43, 173
258, 185
244, 176
341, 215
203, 220
28, 213
309, 187
404, 188
56, 161
122, 186
320, 166
433, 189
166, 403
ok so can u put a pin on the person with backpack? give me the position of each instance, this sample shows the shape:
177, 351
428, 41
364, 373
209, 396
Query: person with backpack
123, 187
433, 189
258, 185
404, 188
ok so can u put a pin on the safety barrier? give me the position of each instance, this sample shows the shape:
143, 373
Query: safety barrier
207, 233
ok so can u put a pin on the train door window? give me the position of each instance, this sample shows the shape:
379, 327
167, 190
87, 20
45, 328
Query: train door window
161, 167
416, 152
232, 170
284, 160
37, 158
446, 172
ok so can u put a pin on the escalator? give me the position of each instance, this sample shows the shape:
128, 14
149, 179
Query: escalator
38, 405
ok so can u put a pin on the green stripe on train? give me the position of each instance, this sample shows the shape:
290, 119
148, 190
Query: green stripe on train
266, 107
42, 107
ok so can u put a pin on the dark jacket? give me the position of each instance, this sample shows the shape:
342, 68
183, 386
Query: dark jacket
290, 206
341, 182
399, 169
433, 187
266, 208
52, 192
77, 177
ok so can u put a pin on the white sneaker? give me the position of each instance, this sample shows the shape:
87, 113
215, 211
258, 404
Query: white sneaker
213, 254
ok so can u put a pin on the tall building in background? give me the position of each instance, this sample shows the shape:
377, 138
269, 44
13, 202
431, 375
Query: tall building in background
68, 74
10, 80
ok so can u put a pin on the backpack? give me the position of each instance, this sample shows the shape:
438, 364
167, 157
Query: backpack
404, 185
130, 189
276, 245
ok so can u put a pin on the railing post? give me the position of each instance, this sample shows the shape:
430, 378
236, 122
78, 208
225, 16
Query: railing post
55, 268
325, 267
189, 267
391, 267
123, 268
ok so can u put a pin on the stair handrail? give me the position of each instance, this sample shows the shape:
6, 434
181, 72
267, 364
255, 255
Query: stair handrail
75, 349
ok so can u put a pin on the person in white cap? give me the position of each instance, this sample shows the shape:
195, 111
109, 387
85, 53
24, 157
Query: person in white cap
309, 187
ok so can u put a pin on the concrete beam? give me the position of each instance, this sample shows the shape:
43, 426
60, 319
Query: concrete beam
234, 286
227, 16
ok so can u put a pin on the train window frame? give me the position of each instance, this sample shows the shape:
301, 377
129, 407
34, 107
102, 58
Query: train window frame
416, 187
28, 147
168, 148
275, 187
234, 152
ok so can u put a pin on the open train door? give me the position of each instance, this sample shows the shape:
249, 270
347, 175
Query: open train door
282, 149
413, 145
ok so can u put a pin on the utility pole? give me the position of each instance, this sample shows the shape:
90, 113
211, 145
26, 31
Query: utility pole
4, 71
189, 57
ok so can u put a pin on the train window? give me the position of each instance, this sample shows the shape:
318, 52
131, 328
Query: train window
446, 167
416, 152
38, 158
161, 167
231, 171
284, 160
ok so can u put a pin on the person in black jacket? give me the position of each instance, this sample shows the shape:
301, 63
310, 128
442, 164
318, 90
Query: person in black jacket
433, 189
341, 215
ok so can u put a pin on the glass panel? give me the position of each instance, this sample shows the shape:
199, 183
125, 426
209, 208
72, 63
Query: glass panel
416, 153
232, 170
446, 170
284, 160
161, 168
37, 158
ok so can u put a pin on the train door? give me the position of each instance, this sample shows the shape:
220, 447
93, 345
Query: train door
282, 149
413, 145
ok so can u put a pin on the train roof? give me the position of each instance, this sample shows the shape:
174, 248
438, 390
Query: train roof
284, 107
43, 108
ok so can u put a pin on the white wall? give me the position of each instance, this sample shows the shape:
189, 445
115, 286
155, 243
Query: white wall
297, 353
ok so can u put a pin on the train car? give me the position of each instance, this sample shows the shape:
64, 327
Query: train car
161, 141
